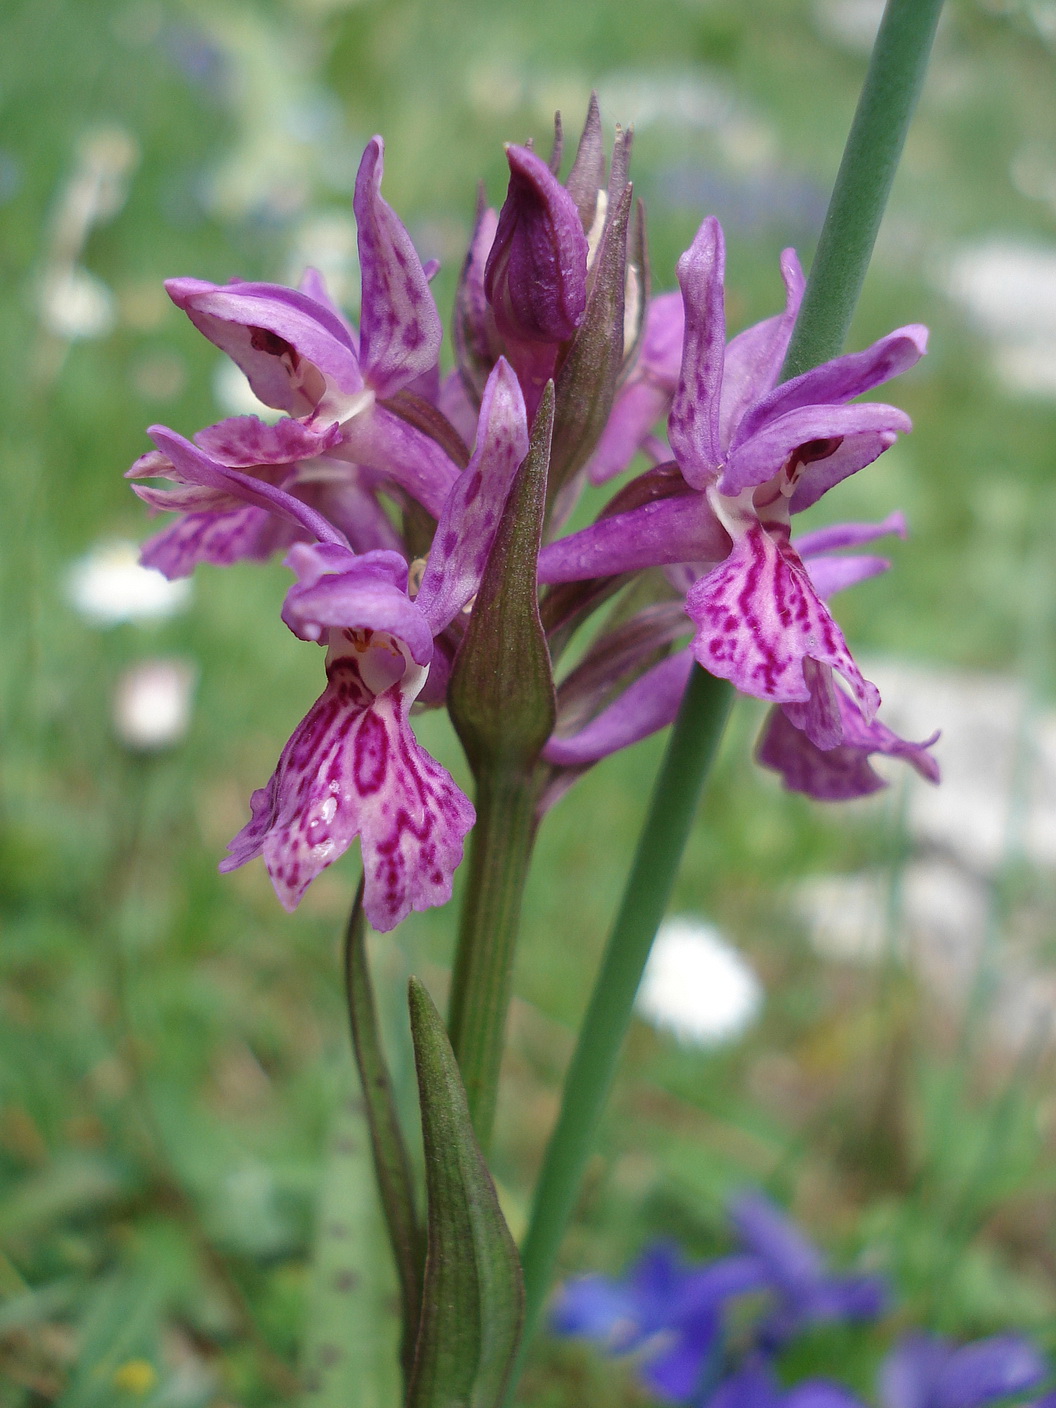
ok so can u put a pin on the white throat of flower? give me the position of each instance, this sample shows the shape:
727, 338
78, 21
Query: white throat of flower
380, 659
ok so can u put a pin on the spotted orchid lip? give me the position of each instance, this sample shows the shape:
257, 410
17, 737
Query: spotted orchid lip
353, 767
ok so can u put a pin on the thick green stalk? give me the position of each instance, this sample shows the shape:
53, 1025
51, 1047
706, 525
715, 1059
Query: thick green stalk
481, 983
863, 182
689, 755
892, 84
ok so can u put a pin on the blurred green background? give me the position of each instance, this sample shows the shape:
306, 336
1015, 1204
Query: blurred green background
172, 1044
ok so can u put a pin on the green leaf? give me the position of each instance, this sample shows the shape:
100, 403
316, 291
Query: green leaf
473, 1301
350, 1356
392, 1165
501, 695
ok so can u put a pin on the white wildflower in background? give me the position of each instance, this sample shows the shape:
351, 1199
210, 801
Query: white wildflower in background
697, 986
108, 586
152, 704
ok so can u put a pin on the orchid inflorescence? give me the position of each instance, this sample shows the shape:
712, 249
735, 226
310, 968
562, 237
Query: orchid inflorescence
385, 483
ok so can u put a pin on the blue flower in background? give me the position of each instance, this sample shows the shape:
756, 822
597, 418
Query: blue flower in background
755, 1386
928, 1371
671, 1315
667, 1311
806, 1292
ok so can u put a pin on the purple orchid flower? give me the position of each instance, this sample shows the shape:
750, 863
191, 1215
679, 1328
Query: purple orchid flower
761, 452
751, 453
928, 1371
592, 724
805, 1292
302, 357
666, 1312
353, 766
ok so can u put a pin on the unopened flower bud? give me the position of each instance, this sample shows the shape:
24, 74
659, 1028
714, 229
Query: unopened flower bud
536, 274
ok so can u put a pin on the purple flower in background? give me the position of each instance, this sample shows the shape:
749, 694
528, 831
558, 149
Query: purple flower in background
805, 1291
929, 1371
755, 1385
666, 1312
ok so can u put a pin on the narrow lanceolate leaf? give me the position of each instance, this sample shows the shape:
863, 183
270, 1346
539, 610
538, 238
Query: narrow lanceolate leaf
473, 1301
501, 695
350, 1352
586, 384
392, 1166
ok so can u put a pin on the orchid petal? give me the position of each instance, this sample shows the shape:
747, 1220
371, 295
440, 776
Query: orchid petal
820, 1393
840, 773
220, 537
337, 590
195, 467
848, 535
980, 1373
835, 574
313, 284
758, 618
650, 703
466, 529
682, 528
819, 476
385, 442
693, 426
838, 381
594, 1307
241, 442
755, 356
759, 458
296, 353
477, 343
399, 332
536, 273
353, 767
767, 1232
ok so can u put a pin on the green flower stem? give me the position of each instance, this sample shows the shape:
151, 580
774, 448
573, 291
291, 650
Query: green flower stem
500, 850
863, 182
689, 755
891, 88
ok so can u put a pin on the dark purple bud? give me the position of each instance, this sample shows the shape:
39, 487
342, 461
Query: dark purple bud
536, 274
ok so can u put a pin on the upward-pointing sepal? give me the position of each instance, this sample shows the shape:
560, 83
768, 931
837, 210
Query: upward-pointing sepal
501, 694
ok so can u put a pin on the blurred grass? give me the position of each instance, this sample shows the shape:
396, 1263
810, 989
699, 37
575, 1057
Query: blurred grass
168, 1037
